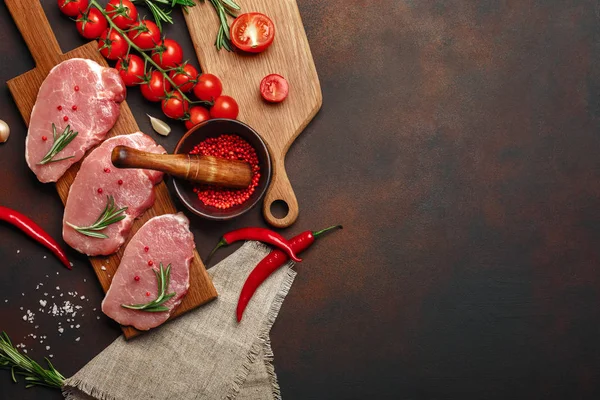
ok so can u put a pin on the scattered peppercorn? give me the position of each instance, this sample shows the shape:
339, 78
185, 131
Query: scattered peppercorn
146, 249
136, 278
59, 108
65, 118
120, 181
44, 138
76, 88
100, 190
74, 108
150, 263
229, 147
107, 170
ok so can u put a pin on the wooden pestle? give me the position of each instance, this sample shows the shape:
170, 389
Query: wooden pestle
195, 168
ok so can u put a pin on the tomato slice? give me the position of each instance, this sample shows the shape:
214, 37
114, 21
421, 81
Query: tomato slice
274, 88
252, 32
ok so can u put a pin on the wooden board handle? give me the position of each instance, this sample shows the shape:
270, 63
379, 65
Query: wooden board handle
280, 190
199, 169
36, 31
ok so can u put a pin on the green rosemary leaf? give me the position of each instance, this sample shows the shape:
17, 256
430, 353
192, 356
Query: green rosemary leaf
20, 364
109, 216
59, 143
163, 278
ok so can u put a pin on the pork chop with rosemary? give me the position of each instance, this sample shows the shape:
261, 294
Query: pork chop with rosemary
154, 273
77, 104
104, 200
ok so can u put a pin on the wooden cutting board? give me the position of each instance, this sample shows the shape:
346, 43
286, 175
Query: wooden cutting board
289, 56
33, 25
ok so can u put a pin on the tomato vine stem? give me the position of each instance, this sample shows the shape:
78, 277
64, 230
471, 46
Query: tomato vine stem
147, 58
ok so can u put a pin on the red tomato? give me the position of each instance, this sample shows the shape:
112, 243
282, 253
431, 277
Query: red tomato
91, 24
72, 8
113, 47
174, 106
122, 12
155, 87
274, 88
224, 107
184, 76
168, 55
197, 114
145, 34
131, 69
208, 87
252, 32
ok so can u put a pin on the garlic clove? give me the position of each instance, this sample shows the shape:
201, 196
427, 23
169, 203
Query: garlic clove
161, 127
4, 131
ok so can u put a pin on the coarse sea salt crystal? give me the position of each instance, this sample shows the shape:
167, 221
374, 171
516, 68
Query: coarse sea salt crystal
77, 339
50, 355
82, 297
47, 347
103, 268
24, 317
61, 330
18, 251
43, 303
58, 288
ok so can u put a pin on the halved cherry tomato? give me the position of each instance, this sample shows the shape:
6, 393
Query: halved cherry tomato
252, 32
184, 76
174, 106
131, 69
145, 34
155, 87
208, 87
274, 88
122, 12
113, 46
197, 114
168, 54
72, 8
224, 107
91, 24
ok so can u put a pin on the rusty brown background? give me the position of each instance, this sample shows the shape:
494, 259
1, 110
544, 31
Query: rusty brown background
459, 145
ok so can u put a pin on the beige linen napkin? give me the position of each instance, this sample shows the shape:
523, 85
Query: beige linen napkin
204, 354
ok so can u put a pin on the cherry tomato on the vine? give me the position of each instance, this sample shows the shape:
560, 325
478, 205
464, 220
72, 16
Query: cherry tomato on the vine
252, 32
122, 12
224, 107
145, 34
208, 87
274, 88
174, 106
184, 77
91, 24
72, 8
114, 46
155, 87
168, 54
131, 69
197, 114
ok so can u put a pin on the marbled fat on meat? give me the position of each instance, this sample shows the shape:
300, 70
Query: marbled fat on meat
96, 180
99, 90
164, 239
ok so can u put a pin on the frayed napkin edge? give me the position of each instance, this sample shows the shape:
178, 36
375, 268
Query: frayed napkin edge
264, 340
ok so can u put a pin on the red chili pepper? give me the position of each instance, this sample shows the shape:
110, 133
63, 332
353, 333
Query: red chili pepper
34, 231
260, 234
271, 263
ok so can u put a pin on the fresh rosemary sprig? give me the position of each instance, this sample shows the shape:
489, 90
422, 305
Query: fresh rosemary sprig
163, 276
109, 216
20, 364
59, 143
224, 8
161, 9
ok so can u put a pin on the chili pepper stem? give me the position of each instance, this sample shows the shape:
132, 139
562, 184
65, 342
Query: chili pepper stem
221, 243
322, 231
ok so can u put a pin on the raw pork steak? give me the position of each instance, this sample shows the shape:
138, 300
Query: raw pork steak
79, 93
96, 180
164, 239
